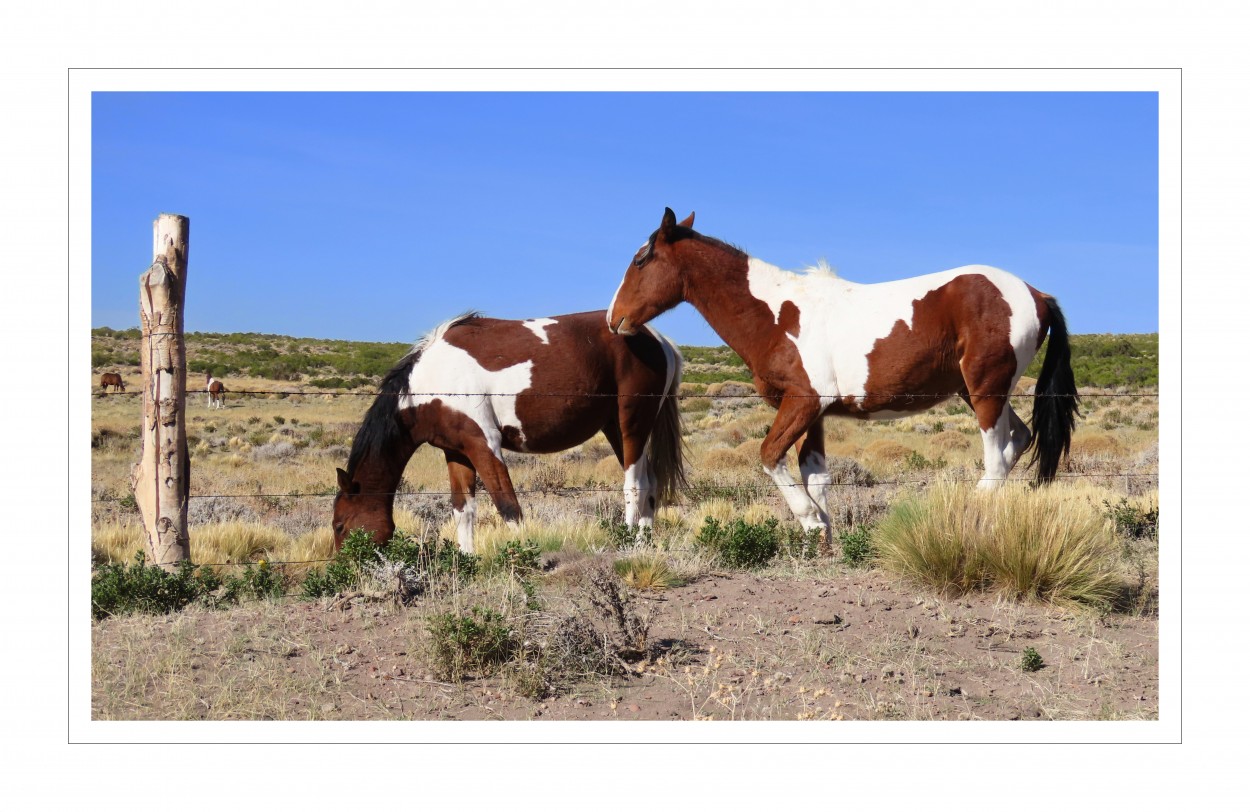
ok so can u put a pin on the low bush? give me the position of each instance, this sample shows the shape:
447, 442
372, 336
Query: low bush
741, 544
480, 640
119, 589
418, 562
857, 546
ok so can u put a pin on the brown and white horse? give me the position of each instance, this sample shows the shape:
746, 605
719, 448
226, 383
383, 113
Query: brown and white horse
216, 391
475, 386
114, 380
820, 345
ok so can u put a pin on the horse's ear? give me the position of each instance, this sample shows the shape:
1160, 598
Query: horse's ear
345, 482
666, 224
688, 222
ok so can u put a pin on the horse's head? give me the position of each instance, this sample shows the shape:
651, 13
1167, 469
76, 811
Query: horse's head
653, 280
355, 509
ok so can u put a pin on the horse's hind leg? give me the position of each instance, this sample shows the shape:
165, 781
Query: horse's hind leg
994, 418
463, 479
1020, 435
636, 418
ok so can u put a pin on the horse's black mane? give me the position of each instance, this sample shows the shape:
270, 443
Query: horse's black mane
690, 233
381, 428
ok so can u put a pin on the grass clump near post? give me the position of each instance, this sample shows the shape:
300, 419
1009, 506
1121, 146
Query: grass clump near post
1027, 544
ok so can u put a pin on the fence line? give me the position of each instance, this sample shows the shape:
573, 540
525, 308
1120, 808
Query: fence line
904, 396
572, 490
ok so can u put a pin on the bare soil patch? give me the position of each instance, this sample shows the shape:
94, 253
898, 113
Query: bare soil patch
830, 644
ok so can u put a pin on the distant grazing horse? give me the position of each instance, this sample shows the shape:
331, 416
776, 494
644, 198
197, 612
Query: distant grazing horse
216, 391
819, 345
114, 380
475, 386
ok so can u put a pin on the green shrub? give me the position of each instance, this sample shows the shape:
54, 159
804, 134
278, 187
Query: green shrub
518, 557
359, 555
740, 543
118, 589
1133, 522
857, 547
481, 641
259, 583
1031, 661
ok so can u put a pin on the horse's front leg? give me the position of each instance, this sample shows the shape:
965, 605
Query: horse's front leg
463, 479
814, 469
795, 415
486, 456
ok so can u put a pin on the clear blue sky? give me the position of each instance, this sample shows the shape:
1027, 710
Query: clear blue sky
374, 216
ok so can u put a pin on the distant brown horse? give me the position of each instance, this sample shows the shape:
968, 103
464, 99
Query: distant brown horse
821, 345
476, 386
216, 391
114, 380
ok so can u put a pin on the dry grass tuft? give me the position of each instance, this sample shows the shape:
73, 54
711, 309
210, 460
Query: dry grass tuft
1027, 544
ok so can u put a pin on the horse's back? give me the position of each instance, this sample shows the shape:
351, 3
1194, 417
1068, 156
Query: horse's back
555, 380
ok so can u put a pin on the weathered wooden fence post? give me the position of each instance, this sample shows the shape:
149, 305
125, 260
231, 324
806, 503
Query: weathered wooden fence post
162, 478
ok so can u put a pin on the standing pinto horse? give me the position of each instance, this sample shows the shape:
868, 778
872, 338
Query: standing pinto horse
216, 391
475, 386
818, 345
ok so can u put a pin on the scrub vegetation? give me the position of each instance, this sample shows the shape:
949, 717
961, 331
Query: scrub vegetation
725, 610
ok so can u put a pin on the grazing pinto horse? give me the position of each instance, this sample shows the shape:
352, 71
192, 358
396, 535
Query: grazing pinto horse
475, 386
819, 345
114, 380
216, 391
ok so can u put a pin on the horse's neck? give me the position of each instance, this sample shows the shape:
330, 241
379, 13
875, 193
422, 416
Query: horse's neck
722, 293
381, 472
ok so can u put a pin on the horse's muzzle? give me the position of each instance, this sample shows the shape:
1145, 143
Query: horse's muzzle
622, 327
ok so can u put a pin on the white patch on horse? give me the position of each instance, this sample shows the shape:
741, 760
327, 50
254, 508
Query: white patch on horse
452, 376
539, 328
840, 321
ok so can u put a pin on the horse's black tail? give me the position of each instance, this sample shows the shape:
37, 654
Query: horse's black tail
1055, 401
666, 451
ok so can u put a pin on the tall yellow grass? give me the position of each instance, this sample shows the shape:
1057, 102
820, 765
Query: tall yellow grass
1045, 544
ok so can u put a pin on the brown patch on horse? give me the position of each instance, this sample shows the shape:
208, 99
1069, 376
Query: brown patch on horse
788, 318
959, 331
553, 411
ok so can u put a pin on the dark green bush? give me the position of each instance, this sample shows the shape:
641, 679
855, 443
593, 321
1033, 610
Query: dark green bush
740, 543
857, 549
118, 589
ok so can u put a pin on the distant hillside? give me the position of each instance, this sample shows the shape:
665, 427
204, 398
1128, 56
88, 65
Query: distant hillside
1101, 361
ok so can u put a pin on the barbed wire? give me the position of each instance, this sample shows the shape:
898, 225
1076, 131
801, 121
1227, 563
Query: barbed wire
911, 396
698, 489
